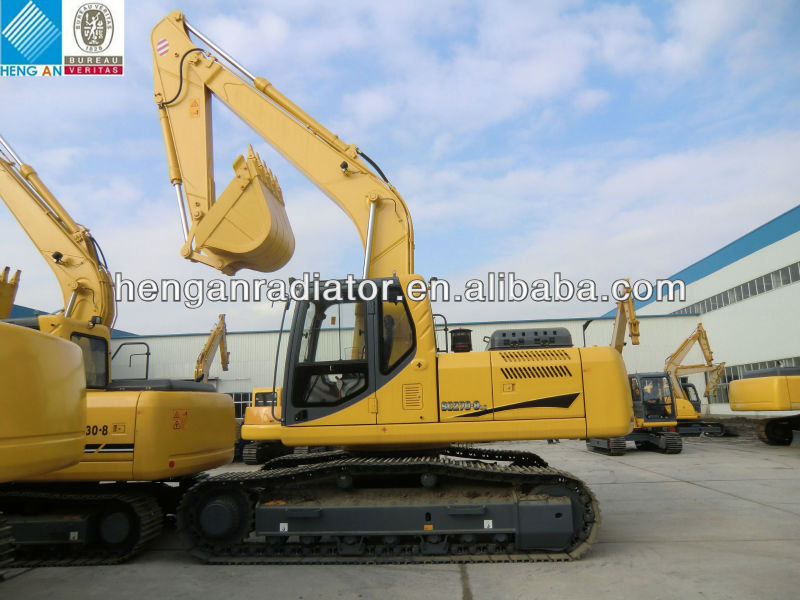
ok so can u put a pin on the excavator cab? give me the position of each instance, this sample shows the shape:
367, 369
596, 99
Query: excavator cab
691, 394
342, 351
652, 398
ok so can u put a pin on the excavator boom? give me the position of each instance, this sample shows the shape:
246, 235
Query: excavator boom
218, 340
186, 79
67, 247
626, 316
674, 367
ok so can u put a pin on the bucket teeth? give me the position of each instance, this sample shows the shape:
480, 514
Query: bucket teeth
265, 173
14, 280
8, 291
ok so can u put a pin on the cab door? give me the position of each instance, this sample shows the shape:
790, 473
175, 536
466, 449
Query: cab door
330, 378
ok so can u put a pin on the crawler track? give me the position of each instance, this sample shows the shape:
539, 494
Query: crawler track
457, 482
133, 516
673, 444
615, 446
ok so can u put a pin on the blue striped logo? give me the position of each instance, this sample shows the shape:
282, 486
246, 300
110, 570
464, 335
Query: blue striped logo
32, 32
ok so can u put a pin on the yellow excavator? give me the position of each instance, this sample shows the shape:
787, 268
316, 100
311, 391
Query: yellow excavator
666, 406
652, 396
135, 434
687, 401
362, 371
43, 410
264, 409
775, 389
43, 405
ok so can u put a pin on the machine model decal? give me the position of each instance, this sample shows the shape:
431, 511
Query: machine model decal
563, 401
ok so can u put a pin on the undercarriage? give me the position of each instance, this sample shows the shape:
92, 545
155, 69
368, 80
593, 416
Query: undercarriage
81, 524
455, 505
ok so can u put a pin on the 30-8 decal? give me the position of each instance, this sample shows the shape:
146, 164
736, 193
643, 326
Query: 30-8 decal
97, 430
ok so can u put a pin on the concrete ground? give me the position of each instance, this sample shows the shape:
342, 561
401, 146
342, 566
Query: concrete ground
720, 520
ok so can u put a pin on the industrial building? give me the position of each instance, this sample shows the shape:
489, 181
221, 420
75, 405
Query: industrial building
744, 294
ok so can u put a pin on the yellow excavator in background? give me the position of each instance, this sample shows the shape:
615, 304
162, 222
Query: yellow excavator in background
775, 389
43, 402
43, 409
666, 406
688, 408
363, 370
218, 340
43, 406
652, 396
143, 431
264, 409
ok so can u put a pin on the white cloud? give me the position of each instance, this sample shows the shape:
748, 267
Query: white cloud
590, 99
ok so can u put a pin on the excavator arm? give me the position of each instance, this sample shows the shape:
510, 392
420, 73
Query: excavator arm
222, 232
218, 340
66, 246
626, 317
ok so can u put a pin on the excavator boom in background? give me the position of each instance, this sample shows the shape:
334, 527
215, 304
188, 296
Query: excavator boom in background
218, 340
687, 402
147, 431
365, 374
625, 319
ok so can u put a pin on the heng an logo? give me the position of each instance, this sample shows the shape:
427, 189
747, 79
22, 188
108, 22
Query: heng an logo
30, 38
61, 37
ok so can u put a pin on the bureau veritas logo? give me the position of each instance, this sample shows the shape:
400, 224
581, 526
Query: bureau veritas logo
93, 28
96, 45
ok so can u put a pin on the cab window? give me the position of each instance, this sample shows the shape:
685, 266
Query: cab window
332, 364
397, 336
95, 359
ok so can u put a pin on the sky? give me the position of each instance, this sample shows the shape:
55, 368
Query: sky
596, 139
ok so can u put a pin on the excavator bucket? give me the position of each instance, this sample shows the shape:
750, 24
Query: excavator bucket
247, 227
8, 291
